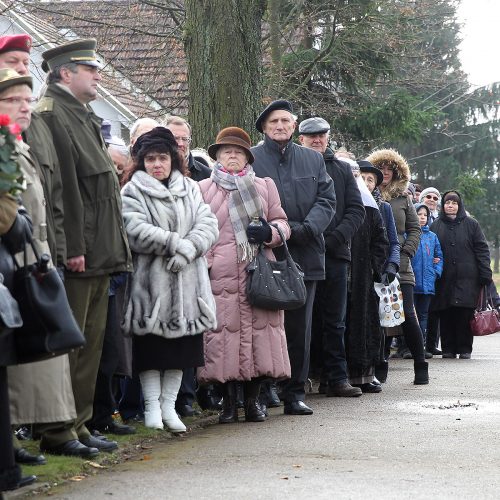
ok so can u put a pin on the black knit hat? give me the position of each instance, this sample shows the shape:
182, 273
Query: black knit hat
274, 106
159, 139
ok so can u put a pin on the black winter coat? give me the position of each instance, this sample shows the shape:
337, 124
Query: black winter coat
306, 194
350, 211
466, 259
370, 248
197, 170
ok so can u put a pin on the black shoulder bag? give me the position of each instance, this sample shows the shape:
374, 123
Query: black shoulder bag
277, 284
49, 327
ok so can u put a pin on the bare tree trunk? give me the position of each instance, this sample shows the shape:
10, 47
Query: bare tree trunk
223, 49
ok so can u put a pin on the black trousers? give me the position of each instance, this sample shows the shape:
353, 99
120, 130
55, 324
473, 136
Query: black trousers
298, 336
104, 399
329, 319
411, 329
187, 391
10, 473
432, 330
456, 336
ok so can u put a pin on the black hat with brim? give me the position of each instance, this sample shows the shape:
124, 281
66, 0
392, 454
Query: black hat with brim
367, 167
274, 106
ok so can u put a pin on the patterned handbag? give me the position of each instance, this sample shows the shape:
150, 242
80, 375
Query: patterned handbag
486, 319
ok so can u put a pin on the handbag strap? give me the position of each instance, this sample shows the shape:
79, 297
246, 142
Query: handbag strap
283, 240
25, 256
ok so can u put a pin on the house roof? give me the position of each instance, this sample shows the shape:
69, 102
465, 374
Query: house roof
133, 38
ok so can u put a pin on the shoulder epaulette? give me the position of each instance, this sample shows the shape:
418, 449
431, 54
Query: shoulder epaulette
45, 104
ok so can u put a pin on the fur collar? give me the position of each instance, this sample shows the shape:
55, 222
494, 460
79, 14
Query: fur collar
177, 185
401, 178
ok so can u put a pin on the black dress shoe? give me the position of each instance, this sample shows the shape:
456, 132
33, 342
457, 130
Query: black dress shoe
99, 442
72, 448
117, 428
297, 408
370, 388
25, 481
186, 411
436, 351
449, 355
23, 456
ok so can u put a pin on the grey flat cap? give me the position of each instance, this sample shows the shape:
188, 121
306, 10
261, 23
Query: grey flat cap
315, 125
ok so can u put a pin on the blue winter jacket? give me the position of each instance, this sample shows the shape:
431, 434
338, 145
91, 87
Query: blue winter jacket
426, 272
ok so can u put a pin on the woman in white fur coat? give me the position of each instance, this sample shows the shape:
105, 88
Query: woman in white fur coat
169, 302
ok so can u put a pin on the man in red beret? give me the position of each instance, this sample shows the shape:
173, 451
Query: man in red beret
15, 53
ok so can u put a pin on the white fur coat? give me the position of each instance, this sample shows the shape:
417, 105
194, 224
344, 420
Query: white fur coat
159, 222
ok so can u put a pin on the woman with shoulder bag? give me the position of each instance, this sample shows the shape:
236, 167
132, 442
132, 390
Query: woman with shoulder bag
248, 344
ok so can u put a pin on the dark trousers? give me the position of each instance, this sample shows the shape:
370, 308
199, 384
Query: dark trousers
330, 307
422, 303
456, 336
104, 399
411, 329
187, 391
298, 337
131, 401
432, 330
10, 473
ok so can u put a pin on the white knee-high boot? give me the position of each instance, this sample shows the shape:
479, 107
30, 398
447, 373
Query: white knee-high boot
170, 385
151, 390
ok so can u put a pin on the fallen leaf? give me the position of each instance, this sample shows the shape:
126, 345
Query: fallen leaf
284, 477
146, 457
146, 447
297, 466
77, 478
96, 465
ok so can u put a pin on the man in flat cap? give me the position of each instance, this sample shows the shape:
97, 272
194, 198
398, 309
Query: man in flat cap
96, 242
331, 298
15, 54
308, 198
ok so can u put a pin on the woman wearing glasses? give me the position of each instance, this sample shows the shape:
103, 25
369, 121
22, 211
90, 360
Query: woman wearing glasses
431, 198
396, 173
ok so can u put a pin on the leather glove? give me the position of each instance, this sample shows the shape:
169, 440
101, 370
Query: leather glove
20, 233
484, 281
259, 234
301, 234
389, 274
176, 263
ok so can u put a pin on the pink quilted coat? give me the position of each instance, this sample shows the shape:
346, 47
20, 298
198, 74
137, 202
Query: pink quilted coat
248, 342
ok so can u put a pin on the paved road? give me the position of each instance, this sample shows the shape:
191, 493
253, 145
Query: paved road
436, 441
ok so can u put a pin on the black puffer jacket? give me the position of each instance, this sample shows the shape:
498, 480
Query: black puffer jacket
350, 212
466, 259
307, 196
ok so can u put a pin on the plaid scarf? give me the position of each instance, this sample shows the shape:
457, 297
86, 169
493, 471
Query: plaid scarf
244, 204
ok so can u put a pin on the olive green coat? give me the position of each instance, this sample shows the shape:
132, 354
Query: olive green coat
93, 222
39, 392
40, 141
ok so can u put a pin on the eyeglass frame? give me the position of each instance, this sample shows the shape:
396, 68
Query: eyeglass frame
430, 197
18, 100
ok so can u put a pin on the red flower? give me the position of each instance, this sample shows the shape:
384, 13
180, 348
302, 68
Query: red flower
4, 120
15, 129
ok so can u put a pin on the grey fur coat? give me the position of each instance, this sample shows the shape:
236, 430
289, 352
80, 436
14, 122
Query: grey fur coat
161, 221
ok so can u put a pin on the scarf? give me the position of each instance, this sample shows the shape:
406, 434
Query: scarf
244, 204
377, 196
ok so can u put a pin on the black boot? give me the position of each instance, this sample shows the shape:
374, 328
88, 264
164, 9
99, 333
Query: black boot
381, 371
253, 411
421, 373
208, 398
229, 411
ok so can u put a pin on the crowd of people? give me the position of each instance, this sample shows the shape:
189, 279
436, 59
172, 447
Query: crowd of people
153, 245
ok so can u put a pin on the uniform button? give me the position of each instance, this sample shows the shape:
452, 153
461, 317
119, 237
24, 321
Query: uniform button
453, 244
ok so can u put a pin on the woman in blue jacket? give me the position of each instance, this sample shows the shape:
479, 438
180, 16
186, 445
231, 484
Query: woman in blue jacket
427, 267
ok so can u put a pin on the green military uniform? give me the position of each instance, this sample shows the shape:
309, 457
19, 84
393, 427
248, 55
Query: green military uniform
93, 227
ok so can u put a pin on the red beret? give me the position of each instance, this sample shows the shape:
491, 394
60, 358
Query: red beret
15, 42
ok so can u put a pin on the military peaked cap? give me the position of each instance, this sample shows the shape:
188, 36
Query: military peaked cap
77, 51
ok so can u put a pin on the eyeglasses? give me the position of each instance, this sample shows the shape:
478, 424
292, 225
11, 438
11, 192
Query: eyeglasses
430, 197
187, 140
19, 100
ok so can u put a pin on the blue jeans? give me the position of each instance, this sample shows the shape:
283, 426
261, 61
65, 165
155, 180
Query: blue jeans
422, 303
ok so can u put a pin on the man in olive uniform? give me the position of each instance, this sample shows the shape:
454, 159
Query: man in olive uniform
95, 239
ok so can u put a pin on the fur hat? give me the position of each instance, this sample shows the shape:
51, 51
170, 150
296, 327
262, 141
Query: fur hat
233, 136
274, 106
159, 139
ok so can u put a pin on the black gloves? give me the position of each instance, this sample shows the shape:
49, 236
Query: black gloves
389, 274
484, 281
259, 234
301, 234
20, 232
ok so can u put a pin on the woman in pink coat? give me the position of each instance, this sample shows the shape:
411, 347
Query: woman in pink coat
248, 344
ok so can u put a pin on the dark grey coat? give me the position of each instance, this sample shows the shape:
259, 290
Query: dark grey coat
306, 194
466, 258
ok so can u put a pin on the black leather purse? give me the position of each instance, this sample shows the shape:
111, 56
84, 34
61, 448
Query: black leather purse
49, 327
277, 284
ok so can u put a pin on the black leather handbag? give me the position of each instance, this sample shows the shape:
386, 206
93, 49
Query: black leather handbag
277, 284
49, 327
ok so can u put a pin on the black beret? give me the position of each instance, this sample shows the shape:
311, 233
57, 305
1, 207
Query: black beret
315, 125
274, 106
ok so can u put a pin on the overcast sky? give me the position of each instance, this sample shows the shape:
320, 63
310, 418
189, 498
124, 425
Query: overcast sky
481, 40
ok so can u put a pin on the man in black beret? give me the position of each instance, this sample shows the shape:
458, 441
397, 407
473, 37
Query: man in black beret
97, 245
308, 198
329, 357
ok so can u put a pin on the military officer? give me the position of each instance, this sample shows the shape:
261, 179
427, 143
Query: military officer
95, 240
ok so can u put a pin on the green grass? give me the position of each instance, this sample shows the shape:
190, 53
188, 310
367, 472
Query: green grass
137, 446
